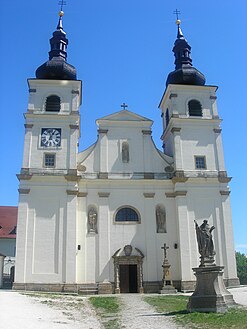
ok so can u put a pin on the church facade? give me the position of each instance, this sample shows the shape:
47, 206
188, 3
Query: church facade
96, 220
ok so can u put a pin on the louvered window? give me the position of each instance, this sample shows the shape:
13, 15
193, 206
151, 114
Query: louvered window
195, 108
53, 104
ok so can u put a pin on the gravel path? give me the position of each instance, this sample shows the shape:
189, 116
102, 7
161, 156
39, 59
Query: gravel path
20, 311
137, 314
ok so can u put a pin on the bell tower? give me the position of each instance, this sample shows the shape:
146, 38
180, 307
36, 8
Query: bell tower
192, 136
46, 237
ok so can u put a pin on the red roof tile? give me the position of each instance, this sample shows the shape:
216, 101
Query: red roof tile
8, 222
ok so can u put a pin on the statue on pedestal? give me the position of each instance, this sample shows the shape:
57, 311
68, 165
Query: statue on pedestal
205, 243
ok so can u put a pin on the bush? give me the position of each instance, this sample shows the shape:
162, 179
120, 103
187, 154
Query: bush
241, 260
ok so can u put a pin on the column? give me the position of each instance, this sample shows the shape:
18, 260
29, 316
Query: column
177, 148
27, 146
104, 236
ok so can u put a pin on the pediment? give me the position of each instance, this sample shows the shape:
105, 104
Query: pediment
124, 115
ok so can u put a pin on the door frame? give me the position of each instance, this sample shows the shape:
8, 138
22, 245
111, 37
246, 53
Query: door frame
133, 258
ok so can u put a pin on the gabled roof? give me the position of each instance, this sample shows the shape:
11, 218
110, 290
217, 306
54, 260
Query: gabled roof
8, 222
124, 115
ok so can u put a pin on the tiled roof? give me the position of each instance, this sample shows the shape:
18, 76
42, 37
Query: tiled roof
8, 222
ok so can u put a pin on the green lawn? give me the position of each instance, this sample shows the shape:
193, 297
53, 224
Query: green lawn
107, 308
176, 306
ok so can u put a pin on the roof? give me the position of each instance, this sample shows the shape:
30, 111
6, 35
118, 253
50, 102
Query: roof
8, 222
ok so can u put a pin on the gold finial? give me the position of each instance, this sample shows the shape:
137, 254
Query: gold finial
177, 13
61, 13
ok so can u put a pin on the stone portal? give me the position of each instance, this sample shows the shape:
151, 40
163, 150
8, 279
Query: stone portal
128, 270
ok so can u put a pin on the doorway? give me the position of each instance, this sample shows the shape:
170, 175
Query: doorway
128, 278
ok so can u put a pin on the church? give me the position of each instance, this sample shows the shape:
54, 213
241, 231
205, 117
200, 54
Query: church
96, 221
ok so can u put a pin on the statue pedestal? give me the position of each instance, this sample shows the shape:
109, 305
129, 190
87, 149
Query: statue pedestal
210, 294
168, 290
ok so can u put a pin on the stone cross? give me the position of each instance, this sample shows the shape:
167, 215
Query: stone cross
165, 250
177, 12
124, 106
62, 3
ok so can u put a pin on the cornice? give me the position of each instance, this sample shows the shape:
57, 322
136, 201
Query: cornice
148, 195
24, 190
104, 194
225, 192
175, 194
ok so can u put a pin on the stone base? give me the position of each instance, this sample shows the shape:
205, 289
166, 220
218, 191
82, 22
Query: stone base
104, 288
151, 287
230, 283
211, 294
168, 290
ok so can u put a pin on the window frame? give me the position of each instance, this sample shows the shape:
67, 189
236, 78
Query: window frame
188, 106
127, 221
49, 96
196, 157
44, 160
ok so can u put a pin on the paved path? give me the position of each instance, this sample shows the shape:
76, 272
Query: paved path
239, 295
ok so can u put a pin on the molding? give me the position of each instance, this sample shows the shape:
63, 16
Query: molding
147, 132
24, 190
82, 194
175, 130
175, 194
28, 125
213, 97
216, 117
103, 194
72, 192
30, 111
72, 175
222, 177
102, 131
74, 126
103, 175
225, 192
175, 115
23, 176
77, 92
32, 90
148, 175
217, 130
173, 95
179, 177
148, 195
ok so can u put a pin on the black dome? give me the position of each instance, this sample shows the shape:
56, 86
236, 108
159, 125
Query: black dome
56, 67
185, 73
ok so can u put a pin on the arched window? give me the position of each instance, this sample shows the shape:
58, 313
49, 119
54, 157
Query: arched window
195, 108
127, 214
53, 103
125, 152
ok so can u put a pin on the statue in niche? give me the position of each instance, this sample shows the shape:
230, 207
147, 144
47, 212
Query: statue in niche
92, 220
205, 243
160, 219
125, 152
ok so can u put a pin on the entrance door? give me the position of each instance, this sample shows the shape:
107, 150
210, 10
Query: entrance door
128, 278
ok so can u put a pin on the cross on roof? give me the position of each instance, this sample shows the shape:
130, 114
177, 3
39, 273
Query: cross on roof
124, 106
165, 250
177, 12
62, 3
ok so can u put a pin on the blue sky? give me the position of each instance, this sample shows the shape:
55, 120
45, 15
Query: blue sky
122, 52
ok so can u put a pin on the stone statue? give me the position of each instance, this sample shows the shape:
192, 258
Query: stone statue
92, 220
205, 243
160, 219
125, 152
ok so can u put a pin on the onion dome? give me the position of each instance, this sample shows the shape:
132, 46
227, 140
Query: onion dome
56, 67
185, 73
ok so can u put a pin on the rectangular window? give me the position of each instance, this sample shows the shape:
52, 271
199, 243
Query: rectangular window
49, 160
200, 162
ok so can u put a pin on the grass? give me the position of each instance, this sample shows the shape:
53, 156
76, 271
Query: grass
176, 306
107, 308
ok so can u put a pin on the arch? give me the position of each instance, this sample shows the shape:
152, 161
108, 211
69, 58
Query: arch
127, 214
53, 103
195, 108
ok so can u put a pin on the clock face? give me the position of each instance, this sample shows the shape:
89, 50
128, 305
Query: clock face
51, 137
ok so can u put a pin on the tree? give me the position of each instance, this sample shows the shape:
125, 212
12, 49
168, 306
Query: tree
241, 260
